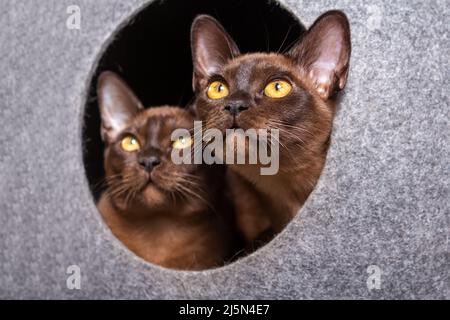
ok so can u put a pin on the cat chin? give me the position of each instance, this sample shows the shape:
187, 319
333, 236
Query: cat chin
153, 196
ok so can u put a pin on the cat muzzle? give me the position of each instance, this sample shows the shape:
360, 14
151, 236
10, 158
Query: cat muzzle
149, 163
235, 108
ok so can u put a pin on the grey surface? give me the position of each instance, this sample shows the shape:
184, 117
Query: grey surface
383, 199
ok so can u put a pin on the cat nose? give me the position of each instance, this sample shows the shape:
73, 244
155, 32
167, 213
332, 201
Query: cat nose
149, 162
235, 108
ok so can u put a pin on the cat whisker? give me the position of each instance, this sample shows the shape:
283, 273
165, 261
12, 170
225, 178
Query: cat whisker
285, 38
282, 145
103, 182
299, 141
289, 47
299, 127
194, 190
187, 175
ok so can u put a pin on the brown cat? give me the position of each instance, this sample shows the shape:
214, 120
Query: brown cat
171, 215
294, 92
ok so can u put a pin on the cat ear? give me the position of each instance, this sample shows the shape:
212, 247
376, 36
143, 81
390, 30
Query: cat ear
323, 53
211, 47
118, 105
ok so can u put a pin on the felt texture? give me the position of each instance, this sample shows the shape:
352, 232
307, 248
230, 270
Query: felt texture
382, 200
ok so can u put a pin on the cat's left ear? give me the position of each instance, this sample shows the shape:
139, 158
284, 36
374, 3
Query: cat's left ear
118, 105
212, 47
323, 54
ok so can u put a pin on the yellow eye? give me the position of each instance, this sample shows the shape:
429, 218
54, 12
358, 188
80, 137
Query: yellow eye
130, 144
278, 89
217, 90
182, 142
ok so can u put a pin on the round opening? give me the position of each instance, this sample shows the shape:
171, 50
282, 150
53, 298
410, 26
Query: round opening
152, 54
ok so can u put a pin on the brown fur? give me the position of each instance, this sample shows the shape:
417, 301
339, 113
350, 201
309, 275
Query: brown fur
173, 215
304, 117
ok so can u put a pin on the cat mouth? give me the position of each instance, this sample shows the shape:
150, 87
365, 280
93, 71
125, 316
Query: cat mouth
152, 185
229, 124
234, 124
150, 181
153, 182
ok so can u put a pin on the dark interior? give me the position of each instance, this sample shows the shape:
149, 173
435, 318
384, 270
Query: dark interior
152, 53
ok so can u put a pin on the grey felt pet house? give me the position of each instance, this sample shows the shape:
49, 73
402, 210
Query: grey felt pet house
376, 226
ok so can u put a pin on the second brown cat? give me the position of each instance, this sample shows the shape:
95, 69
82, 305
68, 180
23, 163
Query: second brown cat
174, 215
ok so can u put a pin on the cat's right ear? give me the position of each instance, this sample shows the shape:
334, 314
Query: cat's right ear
118, 105
211, 48
323, 53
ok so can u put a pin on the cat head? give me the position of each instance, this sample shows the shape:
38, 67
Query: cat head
138, 148
293, 91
